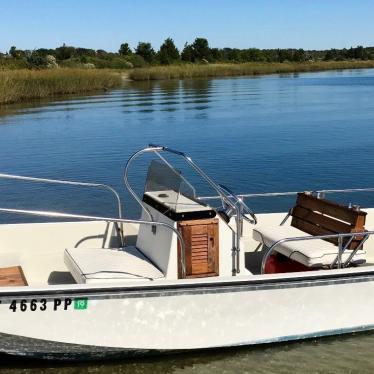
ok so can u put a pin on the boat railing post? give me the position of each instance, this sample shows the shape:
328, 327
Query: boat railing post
340, 251
361, 244
346, 245
233, 252
239, 229
127, 183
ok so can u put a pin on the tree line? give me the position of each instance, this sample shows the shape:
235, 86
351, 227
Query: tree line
199, 51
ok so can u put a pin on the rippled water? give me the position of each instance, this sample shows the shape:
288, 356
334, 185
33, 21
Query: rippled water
273, 133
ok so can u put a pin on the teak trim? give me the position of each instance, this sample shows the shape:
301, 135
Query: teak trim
12, 276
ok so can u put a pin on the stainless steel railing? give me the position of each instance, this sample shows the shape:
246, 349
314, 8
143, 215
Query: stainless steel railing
364, 235
156, 149
291, 193
50, 214
71, 183
66, 182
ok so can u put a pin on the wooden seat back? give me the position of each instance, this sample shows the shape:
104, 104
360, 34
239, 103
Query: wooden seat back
318, 216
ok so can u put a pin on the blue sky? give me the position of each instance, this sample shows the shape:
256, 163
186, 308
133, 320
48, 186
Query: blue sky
105, 24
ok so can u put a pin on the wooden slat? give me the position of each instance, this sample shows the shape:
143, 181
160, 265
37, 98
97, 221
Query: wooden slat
198, 241
328, 207
200, 244
200, 249
322, 217
200, 238
12, 276
199, 258
326, 222
310, 228
200, 253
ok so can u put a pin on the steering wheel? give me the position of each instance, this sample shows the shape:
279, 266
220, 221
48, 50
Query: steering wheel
235, 200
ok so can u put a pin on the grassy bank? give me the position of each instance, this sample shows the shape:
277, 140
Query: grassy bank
22, 85
252, 68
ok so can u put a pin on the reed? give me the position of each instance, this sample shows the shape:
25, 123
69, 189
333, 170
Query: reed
22, 85
223, 70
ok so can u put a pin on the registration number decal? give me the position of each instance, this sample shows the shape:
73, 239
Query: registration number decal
42, 305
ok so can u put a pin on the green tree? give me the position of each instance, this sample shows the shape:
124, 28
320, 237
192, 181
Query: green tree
233, 54
14, 52
201, 49
124, 49
168, 52
359, 52
146, 51
217, 54
36, 60
101, 53
187, 54
64, 52
299, 55
84, 52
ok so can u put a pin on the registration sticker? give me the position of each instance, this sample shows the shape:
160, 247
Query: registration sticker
80, 304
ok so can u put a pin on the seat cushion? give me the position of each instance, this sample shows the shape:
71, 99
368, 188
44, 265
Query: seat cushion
311, 253
91, 265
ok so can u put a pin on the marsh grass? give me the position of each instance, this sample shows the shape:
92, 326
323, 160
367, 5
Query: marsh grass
22, 85
225, 70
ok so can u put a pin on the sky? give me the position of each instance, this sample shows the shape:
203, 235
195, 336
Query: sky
105, 24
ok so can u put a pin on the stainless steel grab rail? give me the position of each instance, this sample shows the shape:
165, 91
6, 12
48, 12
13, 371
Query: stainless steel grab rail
50, 214
70, 183
156, 149
224, 198
341, 248
66, 182
291, 193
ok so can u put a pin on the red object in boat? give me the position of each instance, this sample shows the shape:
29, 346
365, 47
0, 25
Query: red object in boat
278, 263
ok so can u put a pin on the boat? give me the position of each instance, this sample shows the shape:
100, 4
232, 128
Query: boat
192, 273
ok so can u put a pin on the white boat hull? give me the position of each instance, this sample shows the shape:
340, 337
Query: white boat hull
169, 317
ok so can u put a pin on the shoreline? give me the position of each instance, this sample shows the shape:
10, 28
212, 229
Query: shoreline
17, 86
244, 69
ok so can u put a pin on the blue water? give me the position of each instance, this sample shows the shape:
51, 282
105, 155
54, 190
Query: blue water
291, 132
275, 133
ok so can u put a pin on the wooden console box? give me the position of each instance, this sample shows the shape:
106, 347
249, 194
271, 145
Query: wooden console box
202, 247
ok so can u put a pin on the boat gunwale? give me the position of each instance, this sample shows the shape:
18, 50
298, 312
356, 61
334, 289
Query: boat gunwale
254, 283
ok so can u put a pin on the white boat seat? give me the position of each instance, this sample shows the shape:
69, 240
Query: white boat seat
311, 253
91, 265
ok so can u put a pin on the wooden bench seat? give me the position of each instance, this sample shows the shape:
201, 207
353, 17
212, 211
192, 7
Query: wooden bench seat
316, 216
12, 276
